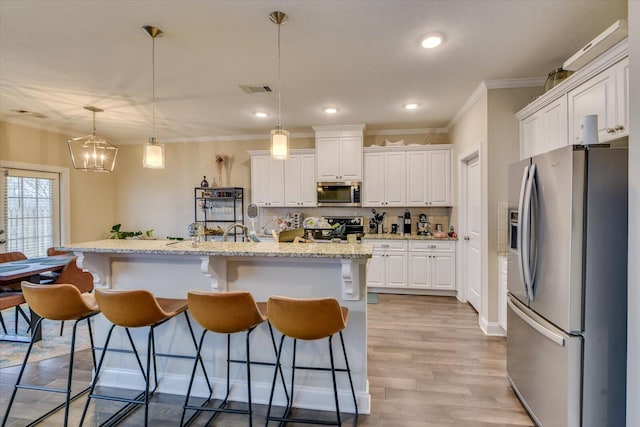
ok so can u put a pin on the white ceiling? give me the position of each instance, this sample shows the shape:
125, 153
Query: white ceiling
362, 56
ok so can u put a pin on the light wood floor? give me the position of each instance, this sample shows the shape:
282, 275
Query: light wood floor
429, 365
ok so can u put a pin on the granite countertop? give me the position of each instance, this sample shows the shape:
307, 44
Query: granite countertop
389, 236
228, 249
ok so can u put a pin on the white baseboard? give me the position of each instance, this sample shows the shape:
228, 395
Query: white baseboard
492, 329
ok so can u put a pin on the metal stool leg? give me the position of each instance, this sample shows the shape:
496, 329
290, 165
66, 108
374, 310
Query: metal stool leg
333, 377
348, 369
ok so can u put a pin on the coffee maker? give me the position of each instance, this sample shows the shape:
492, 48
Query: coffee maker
423, 226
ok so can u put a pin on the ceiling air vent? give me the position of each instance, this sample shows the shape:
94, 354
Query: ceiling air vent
28, 113
255, 89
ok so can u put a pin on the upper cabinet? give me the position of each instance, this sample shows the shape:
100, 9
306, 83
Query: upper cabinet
339, 153
407, 176
605, 95
600, 87
429, 177
545, 129
278, 183
384, 183
300, 180
267, 180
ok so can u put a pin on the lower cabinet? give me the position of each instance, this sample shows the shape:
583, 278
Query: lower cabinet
388, 265
432, 265
412, 265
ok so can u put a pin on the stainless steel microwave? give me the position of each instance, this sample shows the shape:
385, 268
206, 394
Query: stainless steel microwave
339, 194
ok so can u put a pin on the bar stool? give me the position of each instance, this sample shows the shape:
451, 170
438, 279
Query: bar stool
56, 302
226, 313
309, 319
135, 309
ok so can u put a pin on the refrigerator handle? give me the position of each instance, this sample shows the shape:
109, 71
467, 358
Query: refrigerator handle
519, 236
533, 235
525, 251
549, 334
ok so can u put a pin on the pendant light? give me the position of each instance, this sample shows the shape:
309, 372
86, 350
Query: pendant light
153, 152
92, 153
279, 136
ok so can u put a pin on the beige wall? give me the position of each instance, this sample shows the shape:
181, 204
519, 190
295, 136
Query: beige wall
92, 194
162, 200
490, 127
503, 149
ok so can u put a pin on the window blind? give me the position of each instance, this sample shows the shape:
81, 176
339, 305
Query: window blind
31, 211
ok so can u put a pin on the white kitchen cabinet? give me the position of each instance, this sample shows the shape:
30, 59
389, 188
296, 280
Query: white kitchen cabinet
339, 153
428, 177
267, 181
606, 95
384, 183
601, 87
432, 265
339, 158
388, 265
545, 130
300, 180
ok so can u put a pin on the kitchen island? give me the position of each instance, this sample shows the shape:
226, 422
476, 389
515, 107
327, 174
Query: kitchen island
170, 269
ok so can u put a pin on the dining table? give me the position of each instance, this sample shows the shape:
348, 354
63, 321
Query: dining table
14, 272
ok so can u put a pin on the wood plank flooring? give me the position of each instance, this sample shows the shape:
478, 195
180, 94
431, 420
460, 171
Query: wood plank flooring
429, 365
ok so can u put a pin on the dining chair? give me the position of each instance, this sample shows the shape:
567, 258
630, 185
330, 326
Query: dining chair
9, 300
8, 257
10, 295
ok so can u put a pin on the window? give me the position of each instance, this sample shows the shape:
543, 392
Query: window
31, 211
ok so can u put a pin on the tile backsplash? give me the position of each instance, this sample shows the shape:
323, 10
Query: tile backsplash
435, 215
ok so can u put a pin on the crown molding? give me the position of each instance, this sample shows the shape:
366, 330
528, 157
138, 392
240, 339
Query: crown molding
417, 131
486, 85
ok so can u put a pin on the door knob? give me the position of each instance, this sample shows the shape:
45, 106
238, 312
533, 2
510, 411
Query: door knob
2, 242
466, 237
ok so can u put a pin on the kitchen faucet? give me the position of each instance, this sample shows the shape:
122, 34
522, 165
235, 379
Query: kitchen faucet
245, 230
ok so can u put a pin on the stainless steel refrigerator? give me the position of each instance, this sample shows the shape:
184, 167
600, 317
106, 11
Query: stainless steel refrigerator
567, 285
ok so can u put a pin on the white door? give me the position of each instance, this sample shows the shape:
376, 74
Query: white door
439, 173
472, 237
292, 181
374, 185
396, 265
375, 269
328, 159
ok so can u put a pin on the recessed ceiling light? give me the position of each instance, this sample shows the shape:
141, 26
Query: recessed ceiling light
410, 106
331, 110
431, 41
260, 114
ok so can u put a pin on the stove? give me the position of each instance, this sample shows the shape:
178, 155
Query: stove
347, 225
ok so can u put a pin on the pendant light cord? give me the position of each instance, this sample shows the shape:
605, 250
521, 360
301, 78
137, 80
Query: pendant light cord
279, 82
153, 84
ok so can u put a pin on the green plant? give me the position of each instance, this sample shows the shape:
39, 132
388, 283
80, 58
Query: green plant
115, 233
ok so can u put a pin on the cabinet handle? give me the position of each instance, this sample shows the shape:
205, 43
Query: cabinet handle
466, 238
431, 246
619, 127
611, 130
384, 246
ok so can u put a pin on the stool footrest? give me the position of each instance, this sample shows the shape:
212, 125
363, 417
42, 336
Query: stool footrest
57, 408
314, 368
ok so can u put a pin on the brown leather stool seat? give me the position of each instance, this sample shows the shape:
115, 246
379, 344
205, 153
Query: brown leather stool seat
226, 313
56, 302
309, 319
136, 309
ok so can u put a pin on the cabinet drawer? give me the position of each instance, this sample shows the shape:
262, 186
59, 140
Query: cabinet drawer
390, 245
432, 245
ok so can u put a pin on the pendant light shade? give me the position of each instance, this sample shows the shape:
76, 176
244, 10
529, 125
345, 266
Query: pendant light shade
279, 136
153, 152
92, 153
